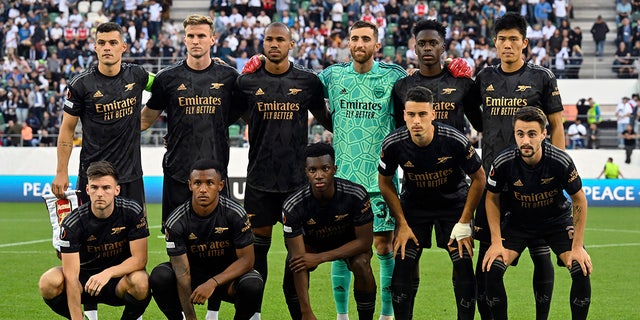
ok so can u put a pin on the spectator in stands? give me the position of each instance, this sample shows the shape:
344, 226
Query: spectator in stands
27, 136
624, 33
629, 136
623, 63
623, 118
541, 12
560, 8
599, 31
12, 134
575, 37
623, 10
576, 133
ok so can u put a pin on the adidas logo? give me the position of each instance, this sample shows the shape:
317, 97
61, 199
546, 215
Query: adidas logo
182, 87
408, 164
259, 92
490, 88
192, 236
518, 183
91, 238
343, 91
311, 222
98, 94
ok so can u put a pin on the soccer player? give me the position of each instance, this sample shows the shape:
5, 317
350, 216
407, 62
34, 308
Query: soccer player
197, 95
279, 96
326, 220
435, 159
210, 248
450, 85
361, 108
104, 252
528, 181
504, 89
107, 99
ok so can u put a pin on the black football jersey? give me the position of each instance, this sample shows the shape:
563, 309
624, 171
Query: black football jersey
200, 105
278, 107
434, 178
452, 99
534, 195
503, 94
103, 243
209, 242
327, 227
109, 109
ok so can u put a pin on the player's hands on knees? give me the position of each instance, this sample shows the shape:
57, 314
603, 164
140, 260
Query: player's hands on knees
202, 293
461, 233
459, 68
96, 282
495, 251
59, 186
580, 256
403, 235
303, 262
254, 63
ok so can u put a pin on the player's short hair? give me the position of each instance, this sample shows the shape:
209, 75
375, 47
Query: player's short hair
419, 94
101, 169
206, 164
531, 114
198, 19
511, 20
109, 27
280, 25
427, 24
319, 149
364, 24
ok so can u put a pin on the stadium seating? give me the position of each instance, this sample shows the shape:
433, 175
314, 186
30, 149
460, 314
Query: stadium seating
235, 137
83, 7
96, 6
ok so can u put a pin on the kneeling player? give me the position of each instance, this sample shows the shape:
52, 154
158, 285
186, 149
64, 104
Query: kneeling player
533, 176
435, 159
104, 252
210, 247
326, 220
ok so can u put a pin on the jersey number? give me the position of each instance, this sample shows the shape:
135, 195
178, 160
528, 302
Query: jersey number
382, 209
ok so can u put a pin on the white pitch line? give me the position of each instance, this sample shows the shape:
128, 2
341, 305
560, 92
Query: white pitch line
612, 245
612, 230
23, 243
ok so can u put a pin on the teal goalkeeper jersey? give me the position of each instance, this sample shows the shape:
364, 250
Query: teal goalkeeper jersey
362, 113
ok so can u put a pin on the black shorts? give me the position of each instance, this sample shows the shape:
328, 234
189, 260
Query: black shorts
175, 193
558, 236
133, 190
107, 294
263, 208
442, 225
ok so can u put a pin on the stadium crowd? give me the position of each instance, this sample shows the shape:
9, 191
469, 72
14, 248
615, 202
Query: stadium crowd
46, 43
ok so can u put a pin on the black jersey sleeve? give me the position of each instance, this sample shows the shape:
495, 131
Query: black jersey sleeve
572, 181
388, 163
496, 178
176, 233
71, 232
364, 213
242, 235
138, 225
398, 94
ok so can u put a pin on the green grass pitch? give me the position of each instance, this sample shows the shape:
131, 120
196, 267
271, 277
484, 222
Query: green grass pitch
612, 240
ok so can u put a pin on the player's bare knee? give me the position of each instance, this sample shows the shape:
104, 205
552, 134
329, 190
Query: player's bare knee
383, 242
51, 283
136, 284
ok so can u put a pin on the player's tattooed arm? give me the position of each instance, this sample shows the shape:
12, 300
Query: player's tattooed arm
180, 265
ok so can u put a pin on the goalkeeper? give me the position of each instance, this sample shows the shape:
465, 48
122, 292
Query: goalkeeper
435, 159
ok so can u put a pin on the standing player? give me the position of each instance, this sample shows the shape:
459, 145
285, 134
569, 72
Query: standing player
450, 86
210, 246
104, 252
435, 159
504, 89
107, 98
528, 181
197, 94
328, 219
361, 108
279, 96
